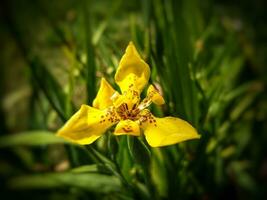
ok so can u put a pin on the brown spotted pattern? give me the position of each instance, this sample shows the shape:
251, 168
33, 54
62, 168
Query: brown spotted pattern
110, 116
130, 109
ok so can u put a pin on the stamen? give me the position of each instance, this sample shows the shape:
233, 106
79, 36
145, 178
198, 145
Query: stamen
114, 96
145, 103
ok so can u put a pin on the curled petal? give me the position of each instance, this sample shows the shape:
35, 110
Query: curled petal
103, 97
154, 95
167, 131
87, 125
132, 72
127, 127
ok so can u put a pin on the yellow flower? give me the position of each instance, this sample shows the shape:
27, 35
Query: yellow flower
127, 110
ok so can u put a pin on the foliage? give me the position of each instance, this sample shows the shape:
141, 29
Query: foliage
208, 59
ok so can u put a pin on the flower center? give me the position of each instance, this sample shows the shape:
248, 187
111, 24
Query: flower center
125, 113
128, 105
133, 113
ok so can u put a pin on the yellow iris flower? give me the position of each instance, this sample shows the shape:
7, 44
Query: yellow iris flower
126, 109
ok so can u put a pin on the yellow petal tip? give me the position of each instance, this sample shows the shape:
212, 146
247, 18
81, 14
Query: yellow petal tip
132, 70
131, 44
105, 92
131, 50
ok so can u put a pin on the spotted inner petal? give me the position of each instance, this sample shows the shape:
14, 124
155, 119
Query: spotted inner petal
128, 127
128, 106
153, 96
145, 117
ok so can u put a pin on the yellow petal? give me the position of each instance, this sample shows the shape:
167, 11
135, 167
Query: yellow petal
167, 131
103, 97
127, 127
155, 96
87, 125
132, 72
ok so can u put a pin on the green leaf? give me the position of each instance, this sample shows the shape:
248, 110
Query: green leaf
139, 151
89, 181
158, 173
51, 88
90, 69
113, 146
31, 138
85, 168
124, 158
174, 55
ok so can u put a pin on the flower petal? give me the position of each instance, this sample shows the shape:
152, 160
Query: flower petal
154, 95
103, 97
167, 131
87, 125
132, 72
127, 127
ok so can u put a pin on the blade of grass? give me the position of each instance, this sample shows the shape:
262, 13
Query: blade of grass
50, 87
88, 181
30, 138
90, 55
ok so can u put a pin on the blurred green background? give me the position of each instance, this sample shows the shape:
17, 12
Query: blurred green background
208, 58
